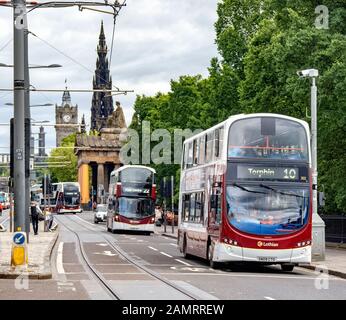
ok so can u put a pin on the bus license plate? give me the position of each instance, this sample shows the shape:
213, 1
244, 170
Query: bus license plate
267, 259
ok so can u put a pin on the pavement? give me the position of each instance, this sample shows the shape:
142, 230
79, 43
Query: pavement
334, 264
39, 251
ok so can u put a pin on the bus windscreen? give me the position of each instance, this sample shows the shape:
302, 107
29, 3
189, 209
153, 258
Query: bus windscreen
268, 138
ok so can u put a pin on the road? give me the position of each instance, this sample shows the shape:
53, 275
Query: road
134, 266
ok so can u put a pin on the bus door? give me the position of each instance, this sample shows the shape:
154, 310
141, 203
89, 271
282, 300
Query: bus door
214, 212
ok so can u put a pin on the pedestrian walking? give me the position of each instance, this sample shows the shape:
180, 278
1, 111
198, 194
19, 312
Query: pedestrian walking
35, 212
1, 208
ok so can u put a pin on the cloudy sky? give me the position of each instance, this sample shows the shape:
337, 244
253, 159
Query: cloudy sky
155, 41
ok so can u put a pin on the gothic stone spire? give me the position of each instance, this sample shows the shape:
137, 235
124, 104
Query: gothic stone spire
102, 103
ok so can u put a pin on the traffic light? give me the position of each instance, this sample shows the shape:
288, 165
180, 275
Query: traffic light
47, 186
166, 188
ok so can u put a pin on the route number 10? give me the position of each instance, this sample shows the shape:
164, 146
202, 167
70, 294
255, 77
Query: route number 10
290, 174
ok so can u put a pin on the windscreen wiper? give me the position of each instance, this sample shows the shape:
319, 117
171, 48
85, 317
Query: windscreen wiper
245, 189
280, 192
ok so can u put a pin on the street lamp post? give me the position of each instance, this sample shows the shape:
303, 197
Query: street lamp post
318, 225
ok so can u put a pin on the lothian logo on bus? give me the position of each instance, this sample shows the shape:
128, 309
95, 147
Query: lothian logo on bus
267, 244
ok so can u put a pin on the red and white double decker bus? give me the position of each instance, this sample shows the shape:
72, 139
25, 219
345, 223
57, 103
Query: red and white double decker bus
245, 192
131, 202
66, 196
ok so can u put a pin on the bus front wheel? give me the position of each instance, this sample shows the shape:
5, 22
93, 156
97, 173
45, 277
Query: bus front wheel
213, 264
185, 254
287, 267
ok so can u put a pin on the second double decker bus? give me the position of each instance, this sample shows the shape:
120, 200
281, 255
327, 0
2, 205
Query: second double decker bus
66, 197
245, 192
131, 202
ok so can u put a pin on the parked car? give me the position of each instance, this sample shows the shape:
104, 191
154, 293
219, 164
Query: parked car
100, 214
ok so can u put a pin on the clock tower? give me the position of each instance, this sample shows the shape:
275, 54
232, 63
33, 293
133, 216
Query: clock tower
66, 116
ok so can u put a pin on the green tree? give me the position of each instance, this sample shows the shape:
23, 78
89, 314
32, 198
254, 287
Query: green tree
64, 154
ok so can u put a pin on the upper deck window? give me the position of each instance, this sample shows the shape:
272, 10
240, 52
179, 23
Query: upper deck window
136, 175
268, 138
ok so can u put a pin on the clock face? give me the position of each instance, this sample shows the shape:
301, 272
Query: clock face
66, 118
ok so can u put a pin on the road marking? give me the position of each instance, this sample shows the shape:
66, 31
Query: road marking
224, 274
183, 262
153, 248
173, 244
59, 264
5, 220
269, 298
166, 254
106, 253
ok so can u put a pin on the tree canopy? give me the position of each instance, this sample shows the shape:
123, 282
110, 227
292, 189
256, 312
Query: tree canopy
263, 43
65, 155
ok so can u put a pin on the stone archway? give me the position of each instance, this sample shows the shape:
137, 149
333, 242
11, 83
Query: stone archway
101, 155
97, 156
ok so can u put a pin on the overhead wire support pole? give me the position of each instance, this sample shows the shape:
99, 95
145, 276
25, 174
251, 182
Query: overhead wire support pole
19, 9
22, 89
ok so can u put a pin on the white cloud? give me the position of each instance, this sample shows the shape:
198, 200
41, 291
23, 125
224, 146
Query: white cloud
155, 41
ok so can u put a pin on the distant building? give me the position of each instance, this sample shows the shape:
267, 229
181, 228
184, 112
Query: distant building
4, 158
66, 116
102, 103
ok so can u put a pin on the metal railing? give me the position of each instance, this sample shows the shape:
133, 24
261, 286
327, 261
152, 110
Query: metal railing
335, 228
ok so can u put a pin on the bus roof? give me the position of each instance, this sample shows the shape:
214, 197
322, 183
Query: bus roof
132, 166
247, 116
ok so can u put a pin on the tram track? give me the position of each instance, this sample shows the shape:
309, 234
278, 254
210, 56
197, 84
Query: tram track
122, 253
97, 275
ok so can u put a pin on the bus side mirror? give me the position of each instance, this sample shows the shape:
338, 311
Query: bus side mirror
321, 199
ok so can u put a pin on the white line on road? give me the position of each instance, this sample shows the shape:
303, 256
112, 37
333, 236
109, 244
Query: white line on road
2, 222
153, 248
183, 262
59, 264
173, 244
269, 298
166, 254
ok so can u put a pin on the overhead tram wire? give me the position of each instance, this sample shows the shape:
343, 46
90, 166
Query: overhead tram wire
54, 4
77, 62
68, 57
113, 35
6, 44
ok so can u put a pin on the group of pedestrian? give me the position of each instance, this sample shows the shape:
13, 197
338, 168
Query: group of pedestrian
37, 215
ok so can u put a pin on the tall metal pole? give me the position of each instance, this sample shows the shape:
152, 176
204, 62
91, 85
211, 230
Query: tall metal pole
314, 143
28, 154
19, 9
318, 225
11, 207
164, 206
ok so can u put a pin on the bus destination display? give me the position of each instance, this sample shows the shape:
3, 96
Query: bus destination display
270, 173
